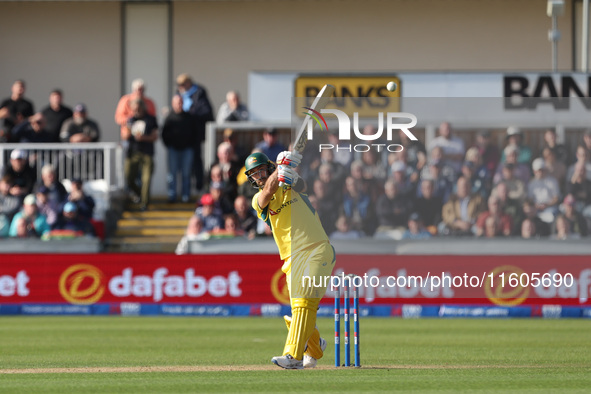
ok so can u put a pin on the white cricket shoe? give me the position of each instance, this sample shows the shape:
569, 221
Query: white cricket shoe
309, 361
287, 362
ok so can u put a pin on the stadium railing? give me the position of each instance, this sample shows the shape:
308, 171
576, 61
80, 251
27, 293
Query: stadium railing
87, 161
451, 246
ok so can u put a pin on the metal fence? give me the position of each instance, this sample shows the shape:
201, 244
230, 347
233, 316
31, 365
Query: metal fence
87, 161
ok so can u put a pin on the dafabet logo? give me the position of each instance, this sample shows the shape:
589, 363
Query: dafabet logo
82, 284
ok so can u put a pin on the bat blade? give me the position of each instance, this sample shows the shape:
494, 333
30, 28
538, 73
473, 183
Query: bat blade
319, 103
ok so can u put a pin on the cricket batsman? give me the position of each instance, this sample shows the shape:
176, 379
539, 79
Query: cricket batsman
303, 245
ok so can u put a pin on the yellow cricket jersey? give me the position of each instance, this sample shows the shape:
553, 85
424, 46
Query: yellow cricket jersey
292, 218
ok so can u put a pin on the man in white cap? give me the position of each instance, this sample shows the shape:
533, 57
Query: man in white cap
22, 175
543, 189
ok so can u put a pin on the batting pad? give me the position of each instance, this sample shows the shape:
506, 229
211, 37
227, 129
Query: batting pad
313, 348
302, 326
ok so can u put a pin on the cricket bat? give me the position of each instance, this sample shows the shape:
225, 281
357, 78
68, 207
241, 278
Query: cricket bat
319, 103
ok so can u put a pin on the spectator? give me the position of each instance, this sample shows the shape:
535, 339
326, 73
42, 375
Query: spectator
415, 228
239, 154
310, 172
31, 130
216, 176
563, 229
544, 191
373, 166
196, 103
327, 208
469, 171
72, 222
229, 168
577, 223
14, 110
80, 128
555, 168
429, 206
494, 222
212, 220
481, 177
587, 143
489, 152
404, 186
528, 229
28, 222
515, 187
84, 202
452, 146
560, 151
56, 193
47, 208
194, 232
222, 200
9, 205
392, 209
509, 206
520, 171
416, 155
333, 187
491, 227
344, 230
179, 135
55, 114
342, 151
270, 145
23, 176
230, 229
446, 170
460, 212
357, 207
124, 109
141, 132
232, 109
370, 131
247, 220
442, 187
515, 138
582, 159
412, 175
529, 212
579, 186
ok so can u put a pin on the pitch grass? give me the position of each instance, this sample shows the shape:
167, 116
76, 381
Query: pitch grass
426, 355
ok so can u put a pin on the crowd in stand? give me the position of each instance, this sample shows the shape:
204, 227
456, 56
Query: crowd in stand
42, 208
445, 188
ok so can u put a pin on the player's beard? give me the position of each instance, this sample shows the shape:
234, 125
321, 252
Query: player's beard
261, 182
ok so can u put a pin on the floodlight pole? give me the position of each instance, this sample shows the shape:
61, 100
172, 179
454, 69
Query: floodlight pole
585, 38
554, 36
554, 8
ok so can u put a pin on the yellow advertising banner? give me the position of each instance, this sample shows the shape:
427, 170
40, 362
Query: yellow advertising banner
366, 95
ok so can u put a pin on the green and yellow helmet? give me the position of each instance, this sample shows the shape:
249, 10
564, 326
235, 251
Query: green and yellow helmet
254, 161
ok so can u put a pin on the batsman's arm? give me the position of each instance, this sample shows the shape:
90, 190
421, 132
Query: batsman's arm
269, 190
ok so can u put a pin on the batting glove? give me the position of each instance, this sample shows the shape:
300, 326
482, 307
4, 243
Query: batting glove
287, 175
292, 159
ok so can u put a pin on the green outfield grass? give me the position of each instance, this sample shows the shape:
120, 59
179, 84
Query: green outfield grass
233, 355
